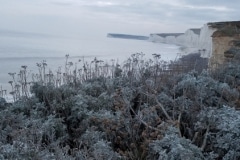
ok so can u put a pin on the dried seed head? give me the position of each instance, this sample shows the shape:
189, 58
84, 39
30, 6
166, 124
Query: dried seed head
132, 145
144, 134
159, 137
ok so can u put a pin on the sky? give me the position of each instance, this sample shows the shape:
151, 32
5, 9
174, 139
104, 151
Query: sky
99, 17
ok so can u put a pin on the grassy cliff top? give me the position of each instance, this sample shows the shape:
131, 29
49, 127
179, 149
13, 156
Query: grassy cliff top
226, 29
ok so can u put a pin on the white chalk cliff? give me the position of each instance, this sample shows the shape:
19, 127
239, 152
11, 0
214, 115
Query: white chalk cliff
192, 41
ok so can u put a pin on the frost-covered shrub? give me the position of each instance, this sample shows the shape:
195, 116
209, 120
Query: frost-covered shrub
49, 93
187, 87
94, 146
194, 61
17, 150
9, 124
195, 92
174, 147
149, 115
183, 104
89, 138
2, 103
227, 93
224, 130
105, 101
94, 88
52, 129
102, 151
25, 106
20, 139
228, 73
205, 91
166, 100
104, 115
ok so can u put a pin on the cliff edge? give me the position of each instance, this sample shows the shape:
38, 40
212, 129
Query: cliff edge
215, 40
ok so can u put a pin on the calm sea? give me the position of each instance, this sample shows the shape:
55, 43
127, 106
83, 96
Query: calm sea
22, 48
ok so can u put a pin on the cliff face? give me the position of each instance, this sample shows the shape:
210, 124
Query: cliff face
189, 38
164, 37
205, 41
224, 40
192, 41
213, 40
220, 45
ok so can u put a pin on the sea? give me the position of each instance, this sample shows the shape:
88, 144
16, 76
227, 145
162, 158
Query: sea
27, 49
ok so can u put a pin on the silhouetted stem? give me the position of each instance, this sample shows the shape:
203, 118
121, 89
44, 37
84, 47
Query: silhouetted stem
163, 109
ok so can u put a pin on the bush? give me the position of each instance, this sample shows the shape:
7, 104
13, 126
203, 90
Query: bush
142, 110
224, 129
2, 103
174, 147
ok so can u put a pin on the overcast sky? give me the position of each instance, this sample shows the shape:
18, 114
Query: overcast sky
92, 17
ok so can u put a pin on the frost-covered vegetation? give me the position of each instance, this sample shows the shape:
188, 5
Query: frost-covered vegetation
143, 109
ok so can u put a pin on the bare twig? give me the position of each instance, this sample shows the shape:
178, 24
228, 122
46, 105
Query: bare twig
195, 137
143, 122
179, 121
160, 105
138, 117
205, 139
163, 109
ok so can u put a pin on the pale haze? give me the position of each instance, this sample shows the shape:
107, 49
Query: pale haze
96, 18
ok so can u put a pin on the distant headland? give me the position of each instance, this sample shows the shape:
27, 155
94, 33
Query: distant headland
127, 36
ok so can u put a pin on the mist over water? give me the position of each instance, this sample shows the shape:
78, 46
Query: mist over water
23, 48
